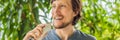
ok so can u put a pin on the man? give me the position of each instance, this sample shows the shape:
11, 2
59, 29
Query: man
65, 14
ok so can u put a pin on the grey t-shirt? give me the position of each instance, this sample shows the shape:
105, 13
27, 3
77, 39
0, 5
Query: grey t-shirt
77, 35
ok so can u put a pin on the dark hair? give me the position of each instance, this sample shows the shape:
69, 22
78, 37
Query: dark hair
76, 7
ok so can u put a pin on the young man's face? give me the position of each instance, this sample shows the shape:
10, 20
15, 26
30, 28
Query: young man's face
62, 13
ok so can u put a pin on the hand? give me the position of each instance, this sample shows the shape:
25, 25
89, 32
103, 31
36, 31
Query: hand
35, 33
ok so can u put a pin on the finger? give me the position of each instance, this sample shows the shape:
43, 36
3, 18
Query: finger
41, 25
30, 35
40, 29
33, 36
37, 32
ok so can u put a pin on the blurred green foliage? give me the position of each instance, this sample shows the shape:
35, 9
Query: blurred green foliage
100, 18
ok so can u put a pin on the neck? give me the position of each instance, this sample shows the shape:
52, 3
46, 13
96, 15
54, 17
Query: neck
64, 33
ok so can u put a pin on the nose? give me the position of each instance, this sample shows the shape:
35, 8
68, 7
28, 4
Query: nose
56, 11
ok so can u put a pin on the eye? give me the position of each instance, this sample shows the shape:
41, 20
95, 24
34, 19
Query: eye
62, 6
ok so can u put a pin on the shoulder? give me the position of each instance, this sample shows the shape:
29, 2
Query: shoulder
85, 36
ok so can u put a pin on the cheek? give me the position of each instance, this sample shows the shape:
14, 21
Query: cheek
68, 16
68, 13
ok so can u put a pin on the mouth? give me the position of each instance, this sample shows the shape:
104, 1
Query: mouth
58, 18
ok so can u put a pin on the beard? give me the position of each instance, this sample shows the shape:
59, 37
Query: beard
59, 23
63, 25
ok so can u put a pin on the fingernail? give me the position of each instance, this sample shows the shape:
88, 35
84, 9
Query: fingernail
43, 25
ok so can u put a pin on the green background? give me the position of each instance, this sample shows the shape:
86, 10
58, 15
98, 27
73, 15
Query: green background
100, 18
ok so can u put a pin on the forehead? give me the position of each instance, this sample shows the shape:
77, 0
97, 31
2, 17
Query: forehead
68, 2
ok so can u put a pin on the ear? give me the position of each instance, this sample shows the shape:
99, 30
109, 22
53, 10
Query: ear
75, 13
